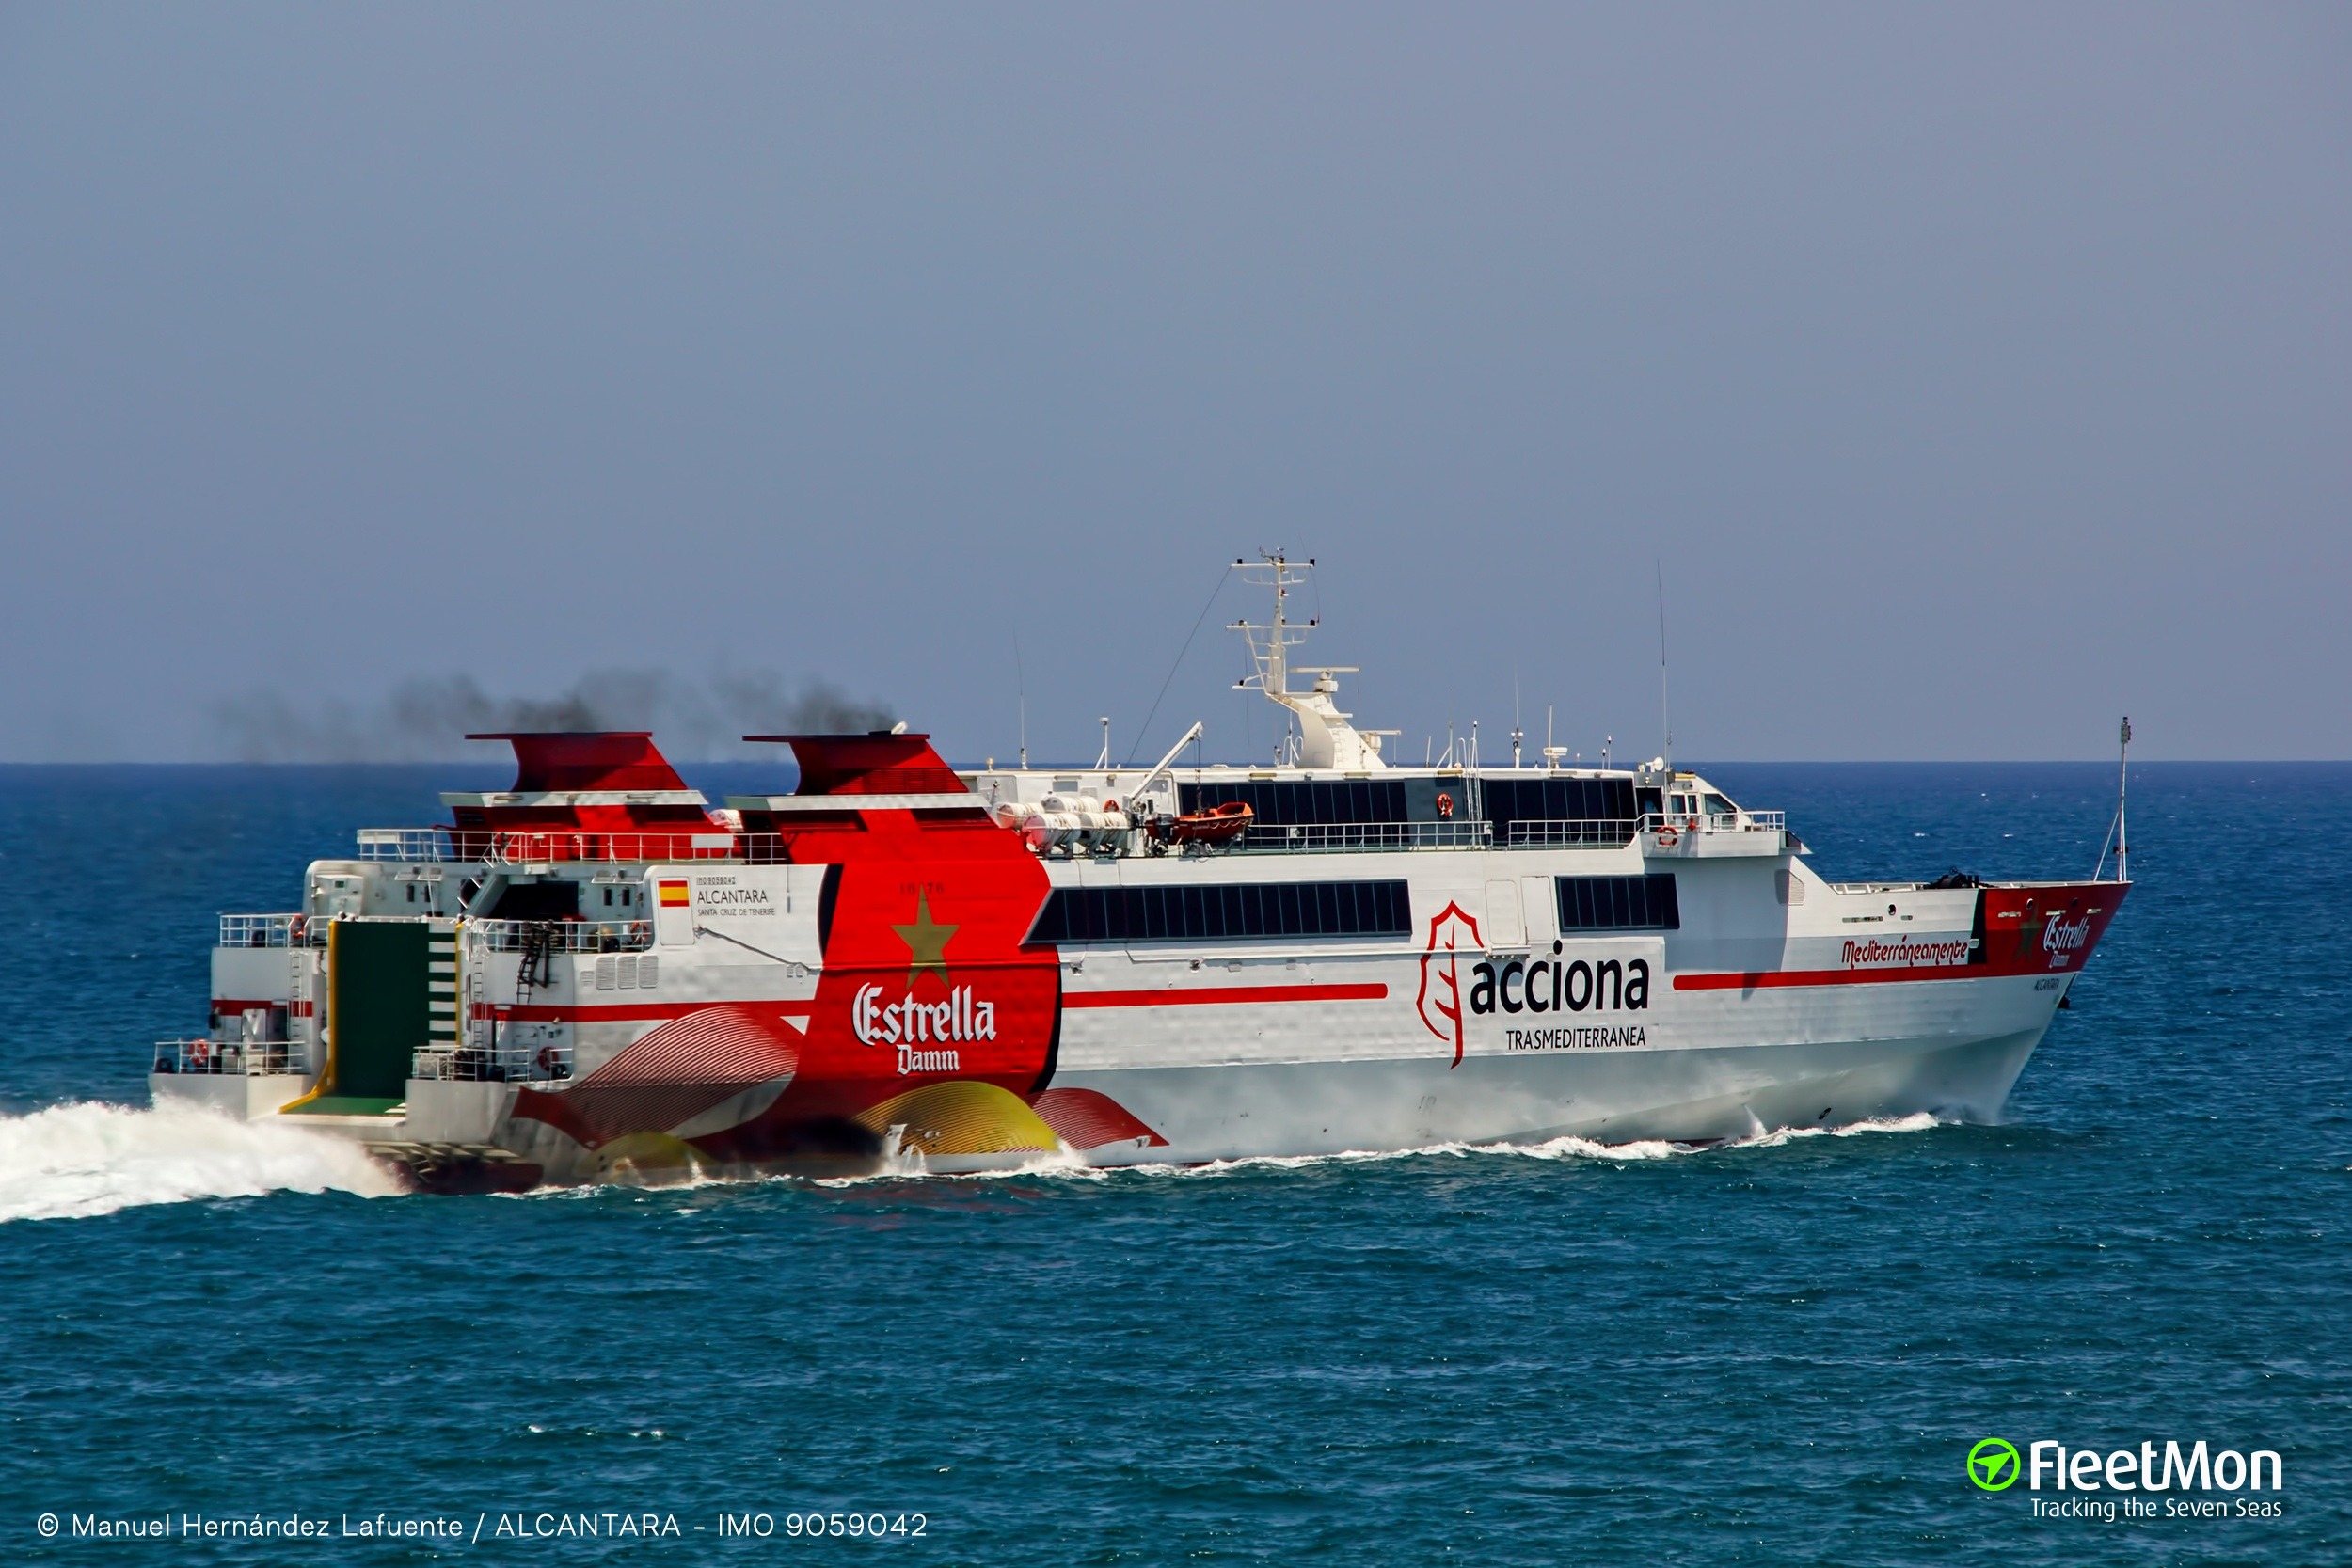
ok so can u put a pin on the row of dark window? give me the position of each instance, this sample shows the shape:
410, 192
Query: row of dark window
1224, 912
1239, 911
1619, 903
1546, 798
1550, 799
1308, 800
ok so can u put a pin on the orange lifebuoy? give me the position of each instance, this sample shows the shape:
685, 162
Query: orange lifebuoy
199, 1052
1445, 806
1665, 838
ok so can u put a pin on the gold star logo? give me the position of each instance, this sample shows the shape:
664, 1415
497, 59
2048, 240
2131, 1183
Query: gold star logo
927, 941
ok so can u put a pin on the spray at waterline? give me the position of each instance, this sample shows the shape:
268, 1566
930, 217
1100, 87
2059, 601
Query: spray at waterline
87, 1158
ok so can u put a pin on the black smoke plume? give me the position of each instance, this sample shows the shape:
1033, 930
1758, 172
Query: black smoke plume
426, 720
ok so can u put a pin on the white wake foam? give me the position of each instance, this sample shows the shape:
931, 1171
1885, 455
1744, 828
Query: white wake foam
72, 1161
1066, 1164
1919, 1121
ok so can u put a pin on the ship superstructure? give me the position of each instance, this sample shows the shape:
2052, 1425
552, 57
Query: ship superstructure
599, 974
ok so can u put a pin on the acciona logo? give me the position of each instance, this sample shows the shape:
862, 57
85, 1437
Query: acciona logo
1560, 984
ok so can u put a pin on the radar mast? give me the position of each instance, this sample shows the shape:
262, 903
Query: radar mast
1326, 738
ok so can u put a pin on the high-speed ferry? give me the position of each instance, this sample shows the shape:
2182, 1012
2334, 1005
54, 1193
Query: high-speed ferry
598, 976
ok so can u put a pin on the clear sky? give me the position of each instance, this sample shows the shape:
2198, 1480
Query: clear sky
1974, 375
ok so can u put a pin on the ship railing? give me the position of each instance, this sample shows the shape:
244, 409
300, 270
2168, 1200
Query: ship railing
1547, 833
406, 844
237, 1058
466, 1063
513, 849
1717, 822
1314, 838
273, 930
541, 847
563, 936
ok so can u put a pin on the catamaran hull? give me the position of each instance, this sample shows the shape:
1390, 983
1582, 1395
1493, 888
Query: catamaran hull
454, 1133
1678, 1095
1910, 1053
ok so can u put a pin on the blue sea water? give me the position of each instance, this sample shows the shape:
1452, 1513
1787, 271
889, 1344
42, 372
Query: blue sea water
1773, 1353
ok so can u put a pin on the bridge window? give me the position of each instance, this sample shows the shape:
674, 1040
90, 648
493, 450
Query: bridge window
1619, 903
1547, 799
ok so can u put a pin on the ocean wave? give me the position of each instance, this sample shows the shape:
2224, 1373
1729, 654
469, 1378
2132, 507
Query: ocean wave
87, 1158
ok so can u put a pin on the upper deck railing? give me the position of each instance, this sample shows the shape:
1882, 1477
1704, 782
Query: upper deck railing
273, 930
485, 846
1549, 833
563, 936
1719, 822
496, 847
1320, 838
236, 1058
528, 1063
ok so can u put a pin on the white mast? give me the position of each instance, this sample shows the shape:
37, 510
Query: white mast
1021, 682
2116, 831
1326, 738
1665, 720
2123, 792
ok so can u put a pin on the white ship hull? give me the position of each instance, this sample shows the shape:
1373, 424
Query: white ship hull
592, 977
1238, 1111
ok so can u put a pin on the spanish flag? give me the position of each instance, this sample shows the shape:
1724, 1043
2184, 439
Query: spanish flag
674, 895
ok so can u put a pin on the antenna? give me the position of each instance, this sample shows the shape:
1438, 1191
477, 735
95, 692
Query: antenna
2122, 791
1665, 720
1515, 716
2116, 835
1197, 622
1270, 644
1021, 683
1104, 759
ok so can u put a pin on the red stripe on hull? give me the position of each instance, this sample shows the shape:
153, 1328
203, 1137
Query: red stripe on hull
239, 1005
1765, 981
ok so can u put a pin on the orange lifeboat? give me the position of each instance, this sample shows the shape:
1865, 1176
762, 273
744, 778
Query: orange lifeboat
1213, 824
